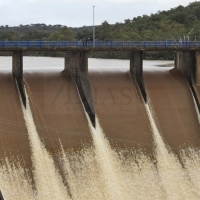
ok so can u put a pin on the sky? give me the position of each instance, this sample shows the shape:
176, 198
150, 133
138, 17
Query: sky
78, 13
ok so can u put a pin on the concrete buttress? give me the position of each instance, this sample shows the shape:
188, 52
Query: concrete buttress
76, 63
17, 71
1, 196
136, 70
185, 61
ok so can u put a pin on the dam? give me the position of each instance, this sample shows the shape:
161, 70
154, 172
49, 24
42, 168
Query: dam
143, 144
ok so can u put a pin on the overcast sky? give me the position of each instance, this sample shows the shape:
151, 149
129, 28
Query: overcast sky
77, 13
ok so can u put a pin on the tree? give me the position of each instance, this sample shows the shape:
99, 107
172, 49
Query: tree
195, 32
63, 34
35, 35
167, 29
84, 35
104, 32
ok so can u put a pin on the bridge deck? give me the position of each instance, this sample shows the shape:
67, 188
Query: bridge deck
99, 46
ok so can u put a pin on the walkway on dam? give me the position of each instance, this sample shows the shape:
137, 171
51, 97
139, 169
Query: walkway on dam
99, 45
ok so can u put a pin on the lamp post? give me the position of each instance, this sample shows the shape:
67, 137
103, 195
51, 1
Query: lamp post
93, 29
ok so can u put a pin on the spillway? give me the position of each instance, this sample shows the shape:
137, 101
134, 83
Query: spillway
13, 132
136, 151
173, 107
120, 109
57, 110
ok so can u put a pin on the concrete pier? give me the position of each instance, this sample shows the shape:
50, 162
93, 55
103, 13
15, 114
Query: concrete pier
76, 63
197, 74
136, 70
17, 71
1, 196
186, 62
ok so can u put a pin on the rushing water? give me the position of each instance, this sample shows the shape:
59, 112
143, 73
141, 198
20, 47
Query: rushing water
133, 153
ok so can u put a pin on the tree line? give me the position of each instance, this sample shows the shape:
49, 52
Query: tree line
175, 24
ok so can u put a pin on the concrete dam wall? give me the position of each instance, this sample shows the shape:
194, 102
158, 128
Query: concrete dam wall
76, 63
146, 137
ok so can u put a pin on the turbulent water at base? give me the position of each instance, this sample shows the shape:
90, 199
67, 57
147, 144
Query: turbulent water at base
173, 177
140, 162
107, 162
47, 179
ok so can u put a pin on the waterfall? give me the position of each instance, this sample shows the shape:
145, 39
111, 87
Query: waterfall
48, 182
173, 177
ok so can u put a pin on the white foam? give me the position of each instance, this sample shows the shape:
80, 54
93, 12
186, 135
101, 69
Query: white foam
14, 182
173, 177
48, 182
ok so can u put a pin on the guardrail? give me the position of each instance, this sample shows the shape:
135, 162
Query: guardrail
98, 44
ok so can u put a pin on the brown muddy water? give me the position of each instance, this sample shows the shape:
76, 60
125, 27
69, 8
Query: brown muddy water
51, 151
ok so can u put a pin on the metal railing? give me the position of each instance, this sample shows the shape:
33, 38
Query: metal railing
98, 44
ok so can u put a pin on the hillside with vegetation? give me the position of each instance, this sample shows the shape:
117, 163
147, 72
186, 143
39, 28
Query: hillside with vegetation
180, 22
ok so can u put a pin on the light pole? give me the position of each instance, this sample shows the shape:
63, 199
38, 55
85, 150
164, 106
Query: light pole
93, 29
